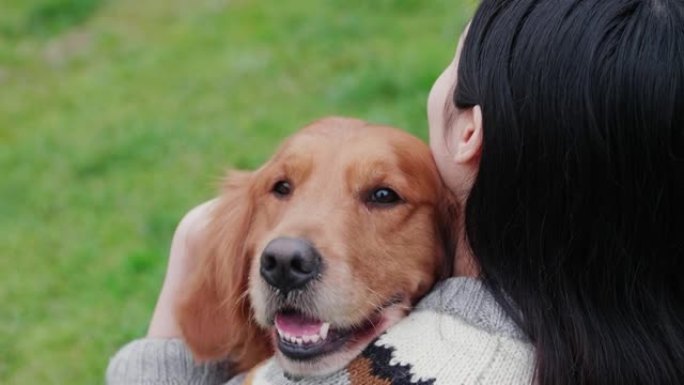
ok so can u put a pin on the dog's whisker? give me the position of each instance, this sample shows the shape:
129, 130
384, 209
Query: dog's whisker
243, 296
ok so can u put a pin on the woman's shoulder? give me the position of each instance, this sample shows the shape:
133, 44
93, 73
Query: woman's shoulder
465, 340
456, 335
467, 299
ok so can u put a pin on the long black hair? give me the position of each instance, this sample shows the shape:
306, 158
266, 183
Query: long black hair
576, 216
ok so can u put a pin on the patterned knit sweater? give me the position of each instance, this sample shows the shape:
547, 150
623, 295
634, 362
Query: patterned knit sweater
457, 334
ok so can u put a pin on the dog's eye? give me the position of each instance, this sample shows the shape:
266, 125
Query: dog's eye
384, 196
282, 188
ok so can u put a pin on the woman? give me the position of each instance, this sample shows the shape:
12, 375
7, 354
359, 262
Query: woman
560, 127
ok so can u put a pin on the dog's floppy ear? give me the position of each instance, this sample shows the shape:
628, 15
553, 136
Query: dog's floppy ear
214, 313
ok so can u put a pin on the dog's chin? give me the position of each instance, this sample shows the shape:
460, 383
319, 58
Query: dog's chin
309, 347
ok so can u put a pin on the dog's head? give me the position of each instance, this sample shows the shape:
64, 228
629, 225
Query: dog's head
320, 250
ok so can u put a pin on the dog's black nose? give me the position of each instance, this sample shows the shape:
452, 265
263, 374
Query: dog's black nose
289, 263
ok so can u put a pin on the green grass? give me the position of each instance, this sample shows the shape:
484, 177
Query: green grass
118, 116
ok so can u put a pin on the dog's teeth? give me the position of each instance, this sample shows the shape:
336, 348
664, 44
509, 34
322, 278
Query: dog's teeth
324, 330
315, 338
298, 341
306, 339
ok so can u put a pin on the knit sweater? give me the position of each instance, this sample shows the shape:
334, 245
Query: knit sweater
457, 334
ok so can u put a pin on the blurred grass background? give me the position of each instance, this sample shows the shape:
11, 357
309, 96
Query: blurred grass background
118, 116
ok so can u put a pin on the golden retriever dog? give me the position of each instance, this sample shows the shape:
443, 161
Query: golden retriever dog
320, 250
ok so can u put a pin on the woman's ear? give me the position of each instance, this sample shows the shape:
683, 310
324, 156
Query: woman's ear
215, 314
467, 136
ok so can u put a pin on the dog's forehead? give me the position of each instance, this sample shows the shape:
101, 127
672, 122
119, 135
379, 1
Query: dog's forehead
345, 134
360, 152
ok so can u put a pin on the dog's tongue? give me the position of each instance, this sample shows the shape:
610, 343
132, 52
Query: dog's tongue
297, 324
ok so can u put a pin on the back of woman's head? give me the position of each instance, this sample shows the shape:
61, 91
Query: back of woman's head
577, 213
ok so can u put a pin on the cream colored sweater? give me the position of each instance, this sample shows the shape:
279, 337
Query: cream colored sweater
457, 334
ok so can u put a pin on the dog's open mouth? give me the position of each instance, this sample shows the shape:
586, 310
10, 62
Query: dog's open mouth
301, 337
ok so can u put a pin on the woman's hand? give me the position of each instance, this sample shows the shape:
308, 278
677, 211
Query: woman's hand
181, 259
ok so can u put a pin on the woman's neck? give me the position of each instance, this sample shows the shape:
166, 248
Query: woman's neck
465, 264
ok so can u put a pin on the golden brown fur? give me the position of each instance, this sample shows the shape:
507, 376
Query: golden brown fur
371, 253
